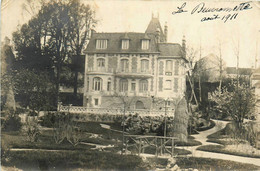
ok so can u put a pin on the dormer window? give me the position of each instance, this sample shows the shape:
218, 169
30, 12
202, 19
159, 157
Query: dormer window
125, 44
101, 44
145, 44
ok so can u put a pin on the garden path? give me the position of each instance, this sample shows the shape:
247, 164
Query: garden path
202, 137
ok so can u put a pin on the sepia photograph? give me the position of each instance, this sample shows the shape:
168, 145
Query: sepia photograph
130, 85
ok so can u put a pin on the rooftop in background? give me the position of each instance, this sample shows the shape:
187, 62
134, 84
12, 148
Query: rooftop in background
241, 71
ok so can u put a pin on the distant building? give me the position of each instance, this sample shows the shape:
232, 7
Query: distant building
139, 66
242, 72
255, 82
208, 68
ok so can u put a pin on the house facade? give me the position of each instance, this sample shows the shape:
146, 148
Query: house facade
140, 69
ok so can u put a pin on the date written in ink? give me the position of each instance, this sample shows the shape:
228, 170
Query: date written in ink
224, 18
227, 17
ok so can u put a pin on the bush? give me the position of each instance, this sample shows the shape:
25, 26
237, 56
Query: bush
48, 120
4, 151
32, 129
12, 123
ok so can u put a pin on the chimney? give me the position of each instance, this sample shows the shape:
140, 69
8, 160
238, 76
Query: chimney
165, 31
184, 46
92, 32
158, 35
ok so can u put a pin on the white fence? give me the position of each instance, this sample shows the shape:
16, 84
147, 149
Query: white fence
115, 111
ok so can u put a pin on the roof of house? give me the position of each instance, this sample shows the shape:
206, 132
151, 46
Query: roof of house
114, 43
241, 71
170, 49
153, 26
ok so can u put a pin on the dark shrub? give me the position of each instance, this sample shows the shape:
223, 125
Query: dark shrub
12, 123
48, 120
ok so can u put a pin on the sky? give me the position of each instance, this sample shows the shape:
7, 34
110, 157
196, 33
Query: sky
134, 16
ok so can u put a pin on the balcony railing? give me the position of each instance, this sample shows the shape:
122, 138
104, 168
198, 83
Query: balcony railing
100, 69
138, 73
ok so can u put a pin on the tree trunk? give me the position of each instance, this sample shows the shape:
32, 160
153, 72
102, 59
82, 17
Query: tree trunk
75, 85
58, 84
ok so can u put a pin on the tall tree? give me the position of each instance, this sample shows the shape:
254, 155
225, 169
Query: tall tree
46, 42
81, 22
7, 67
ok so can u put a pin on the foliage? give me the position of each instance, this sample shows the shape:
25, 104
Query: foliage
34, 89
32, 129
65, 128
48, 120
237, 103
146, 125
12, 122
47, 42
7, 67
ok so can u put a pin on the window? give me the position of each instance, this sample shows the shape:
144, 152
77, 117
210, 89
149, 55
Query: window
144, 65
125, 44
101, 62
123, 85
96, 102
101, 44
176, 68
124, 65
133, 85
97, 84
168, 84
143, 86
109, 86
145, 44
168, 66
87, 84
176, 83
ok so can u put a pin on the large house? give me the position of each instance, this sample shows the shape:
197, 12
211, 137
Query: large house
140, 69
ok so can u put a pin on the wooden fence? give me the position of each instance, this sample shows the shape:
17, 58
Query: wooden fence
159, 143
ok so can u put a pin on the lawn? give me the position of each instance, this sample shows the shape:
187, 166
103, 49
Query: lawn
223, 149
68, 160
213, 164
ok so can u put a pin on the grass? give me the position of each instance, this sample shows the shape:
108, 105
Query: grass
212, 164
221, 149
35, 160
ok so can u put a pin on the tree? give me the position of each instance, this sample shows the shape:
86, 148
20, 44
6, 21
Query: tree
7, 67
235, 100
80, 25
58, 30
191, 55
35, 90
